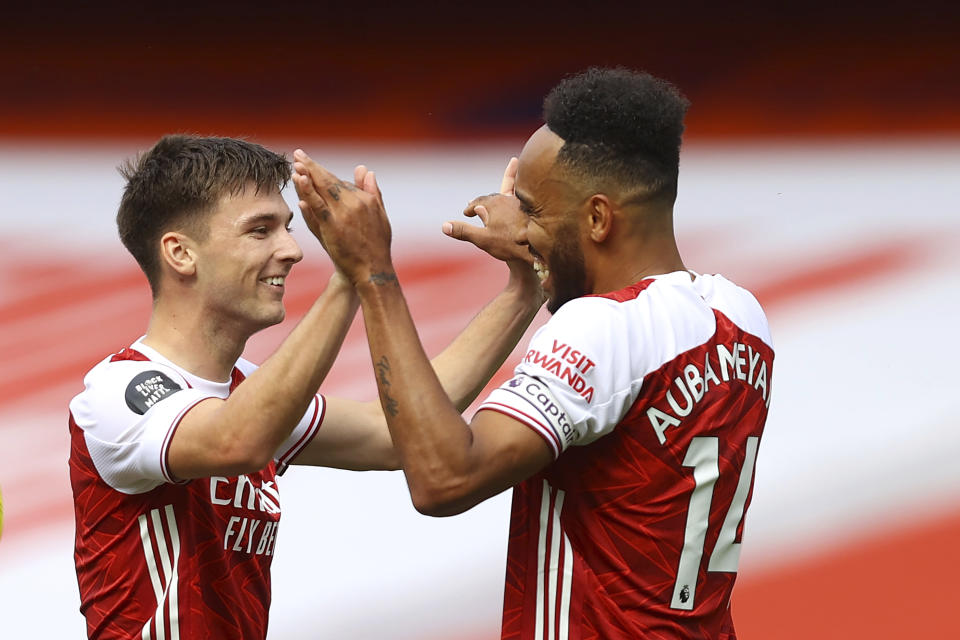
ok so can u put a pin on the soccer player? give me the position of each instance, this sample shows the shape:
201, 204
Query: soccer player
176, 441
630, 428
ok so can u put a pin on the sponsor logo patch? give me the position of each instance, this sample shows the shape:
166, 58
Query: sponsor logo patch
147, 389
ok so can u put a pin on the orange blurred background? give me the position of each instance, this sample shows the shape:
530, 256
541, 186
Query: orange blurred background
407, 75
432, 71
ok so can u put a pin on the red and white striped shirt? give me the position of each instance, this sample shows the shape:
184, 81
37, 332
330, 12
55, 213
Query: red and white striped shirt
654, 399
158, 558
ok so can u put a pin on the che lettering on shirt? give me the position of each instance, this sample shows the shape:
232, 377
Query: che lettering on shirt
244, 534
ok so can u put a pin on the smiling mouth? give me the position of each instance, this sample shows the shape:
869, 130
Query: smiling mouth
541, 269
275, 281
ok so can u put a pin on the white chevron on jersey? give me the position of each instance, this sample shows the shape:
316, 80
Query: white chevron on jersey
154, 536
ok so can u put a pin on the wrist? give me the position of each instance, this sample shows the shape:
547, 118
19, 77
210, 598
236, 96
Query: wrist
524, 283
340, 285
339, 282
376, 280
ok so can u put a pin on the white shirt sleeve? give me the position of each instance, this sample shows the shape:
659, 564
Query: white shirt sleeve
302, 434
575, 381
129, 411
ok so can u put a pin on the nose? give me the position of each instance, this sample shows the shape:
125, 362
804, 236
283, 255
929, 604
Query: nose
289, 250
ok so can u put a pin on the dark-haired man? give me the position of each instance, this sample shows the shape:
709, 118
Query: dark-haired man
630, 429
176, 441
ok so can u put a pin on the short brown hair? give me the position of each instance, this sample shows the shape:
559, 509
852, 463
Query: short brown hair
179, 180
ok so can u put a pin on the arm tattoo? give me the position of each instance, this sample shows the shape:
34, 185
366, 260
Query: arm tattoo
382, 278
383, 369
390, 405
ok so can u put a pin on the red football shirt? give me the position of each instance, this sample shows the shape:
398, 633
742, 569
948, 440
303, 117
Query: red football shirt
654, 400
156, 558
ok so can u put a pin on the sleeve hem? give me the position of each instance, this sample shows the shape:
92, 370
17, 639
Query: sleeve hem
165, 447
319, 411
544, 431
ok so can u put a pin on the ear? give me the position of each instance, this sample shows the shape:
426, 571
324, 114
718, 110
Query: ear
177, 252
600, 213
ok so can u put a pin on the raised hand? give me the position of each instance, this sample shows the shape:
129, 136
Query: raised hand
349, 219
503, 222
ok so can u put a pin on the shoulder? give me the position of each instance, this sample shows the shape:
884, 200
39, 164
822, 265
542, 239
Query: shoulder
585, 315
656, 314
738, 304
126, 416
125, 386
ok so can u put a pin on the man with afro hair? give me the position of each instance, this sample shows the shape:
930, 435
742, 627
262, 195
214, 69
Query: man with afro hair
630, 428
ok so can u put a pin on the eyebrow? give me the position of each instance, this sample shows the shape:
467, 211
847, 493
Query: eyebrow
259, 218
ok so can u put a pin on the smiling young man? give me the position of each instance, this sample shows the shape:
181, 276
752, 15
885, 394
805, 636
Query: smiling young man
176, 441
630, 428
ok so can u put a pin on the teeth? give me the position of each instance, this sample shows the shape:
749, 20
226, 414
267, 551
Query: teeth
277, 280
541, 269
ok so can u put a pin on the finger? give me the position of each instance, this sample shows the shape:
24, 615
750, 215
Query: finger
471, 209
482, 213
299, 158
298, 179
323, 180
370, 185
304, 185
460, 230
309, 196
358, 174
298, 166
299, 171
509, 177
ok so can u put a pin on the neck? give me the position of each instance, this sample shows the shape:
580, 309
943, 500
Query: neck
619, 267
194, 340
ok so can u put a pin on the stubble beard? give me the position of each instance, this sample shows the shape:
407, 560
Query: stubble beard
567, 270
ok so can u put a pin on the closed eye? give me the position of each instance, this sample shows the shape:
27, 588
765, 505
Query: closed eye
525, 205
528, 210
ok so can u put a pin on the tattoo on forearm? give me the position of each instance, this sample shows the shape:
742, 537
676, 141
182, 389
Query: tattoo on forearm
383, 371
383, 278
390, 405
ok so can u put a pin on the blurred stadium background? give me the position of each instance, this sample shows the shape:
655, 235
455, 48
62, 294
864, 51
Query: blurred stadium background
820, 169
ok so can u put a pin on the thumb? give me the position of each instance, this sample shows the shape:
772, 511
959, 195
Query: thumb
460, 230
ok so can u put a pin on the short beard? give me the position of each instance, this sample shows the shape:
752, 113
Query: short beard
567, 269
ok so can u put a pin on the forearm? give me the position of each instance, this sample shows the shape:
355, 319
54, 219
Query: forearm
430, 436
264, 409
474, 356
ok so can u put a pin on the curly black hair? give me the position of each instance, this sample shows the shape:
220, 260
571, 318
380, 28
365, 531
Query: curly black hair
619, 124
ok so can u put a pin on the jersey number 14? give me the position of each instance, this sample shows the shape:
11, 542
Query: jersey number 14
703, 456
